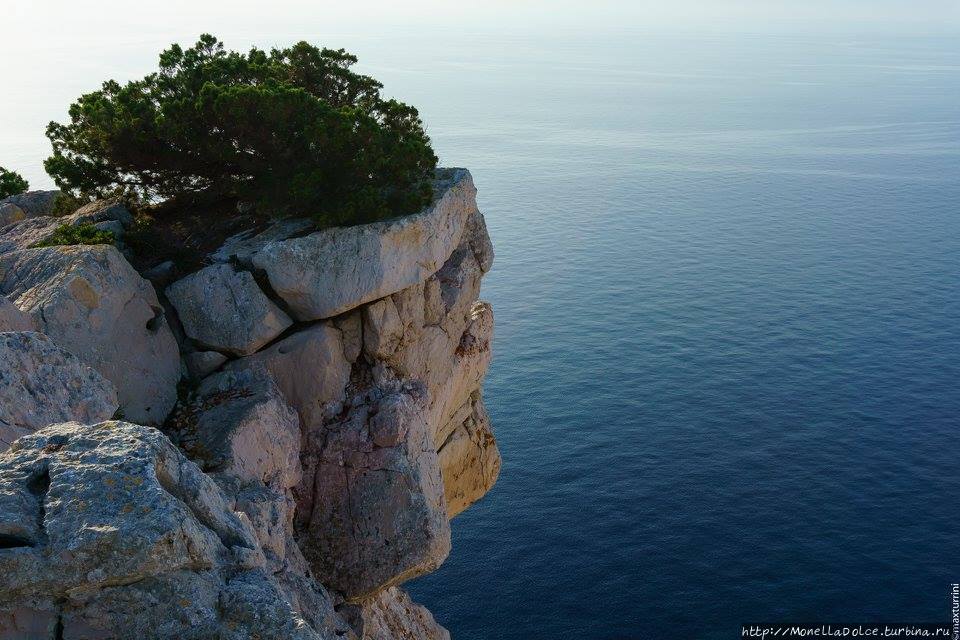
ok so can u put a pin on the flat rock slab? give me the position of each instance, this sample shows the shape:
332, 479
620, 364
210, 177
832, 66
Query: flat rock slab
334, 270
224, 310
41, 384
92, 303
26, 233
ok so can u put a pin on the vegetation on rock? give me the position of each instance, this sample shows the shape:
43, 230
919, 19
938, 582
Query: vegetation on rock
68, 234
11, 183
294, 130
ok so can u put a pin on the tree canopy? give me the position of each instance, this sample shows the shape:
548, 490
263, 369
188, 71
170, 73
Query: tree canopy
11, 183
294, 130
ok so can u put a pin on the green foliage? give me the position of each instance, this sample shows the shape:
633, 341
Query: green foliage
67, 234
65, 204
11, 183
292, 130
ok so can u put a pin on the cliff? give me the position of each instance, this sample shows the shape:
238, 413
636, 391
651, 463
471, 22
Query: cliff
330, 422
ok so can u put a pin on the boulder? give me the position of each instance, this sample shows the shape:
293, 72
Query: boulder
110, 533
469, 458
238, 423
310, 369
392, 615
91, 302
41, 384
25, 205
334, 270
224, 310
371, 512
12, 319
200, 364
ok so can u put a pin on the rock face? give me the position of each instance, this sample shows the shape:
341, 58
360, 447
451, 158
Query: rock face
370, 511
108, 531
391, 615
334, 270
225, 310
330, 423
469, 458
26, 205
41, 384
91, 302
238, 423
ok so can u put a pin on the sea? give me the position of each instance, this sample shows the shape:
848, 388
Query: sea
726, 374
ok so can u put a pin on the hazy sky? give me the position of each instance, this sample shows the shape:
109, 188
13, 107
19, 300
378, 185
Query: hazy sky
56, 50
110, 19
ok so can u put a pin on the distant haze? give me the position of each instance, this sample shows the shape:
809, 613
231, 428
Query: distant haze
57, 50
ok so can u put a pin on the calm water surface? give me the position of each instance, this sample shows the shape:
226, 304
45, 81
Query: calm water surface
727, 292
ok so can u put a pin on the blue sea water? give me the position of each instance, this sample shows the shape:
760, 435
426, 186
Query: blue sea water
726, 381
726, 376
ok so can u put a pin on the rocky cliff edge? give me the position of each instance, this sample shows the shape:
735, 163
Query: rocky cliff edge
329, 423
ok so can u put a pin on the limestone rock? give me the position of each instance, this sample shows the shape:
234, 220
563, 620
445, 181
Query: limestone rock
26, 233
392, 615
469, 458
371, 512
110, 533
224, 310
309, 367
91, 302
238, 423
334, 270
111, 503
469, 365
12, 319
29, 204
41, 384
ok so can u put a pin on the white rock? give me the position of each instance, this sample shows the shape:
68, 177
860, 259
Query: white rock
10, 213
41, 384
334, 270
224, 310
309, 367
241, 247
91, 302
